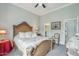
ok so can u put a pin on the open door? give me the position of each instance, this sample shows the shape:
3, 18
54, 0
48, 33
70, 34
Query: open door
70, 29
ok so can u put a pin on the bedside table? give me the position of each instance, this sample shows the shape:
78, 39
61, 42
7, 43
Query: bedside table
38, 34
5, 47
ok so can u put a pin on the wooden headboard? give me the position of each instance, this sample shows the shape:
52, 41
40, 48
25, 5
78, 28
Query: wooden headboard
22, 27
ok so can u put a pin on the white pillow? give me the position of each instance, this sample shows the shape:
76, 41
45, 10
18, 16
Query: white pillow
28, 34
77, 34
25, 34
34, 35
21, 35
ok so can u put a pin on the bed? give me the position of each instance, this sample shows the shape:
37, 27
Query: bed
33, 46
73, 46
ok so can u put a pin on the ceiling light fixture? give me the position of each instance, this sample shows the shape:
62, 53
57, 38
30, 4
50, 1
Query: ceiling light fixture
40, 4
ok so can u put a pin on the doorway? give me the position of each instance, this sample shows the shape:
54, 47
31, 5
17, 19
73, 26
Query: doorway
70, 28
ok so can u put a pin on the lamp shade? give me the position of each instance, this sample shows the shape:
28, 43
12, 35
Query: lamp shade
2, 31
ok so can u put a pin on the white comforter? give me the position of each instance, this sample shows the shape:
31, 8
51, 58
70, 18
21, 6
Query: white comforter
73, 42
27, 44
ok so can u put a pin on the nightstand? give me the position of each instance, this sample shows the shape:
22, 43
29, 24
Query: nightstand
5, 47
39, 34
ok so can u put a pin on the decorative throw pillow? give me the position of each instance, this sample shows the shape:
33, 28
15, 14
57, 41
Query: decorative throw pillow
25, 34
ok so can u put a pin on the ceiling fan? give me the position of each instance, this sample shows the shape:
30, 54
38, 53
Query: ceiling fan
40, 4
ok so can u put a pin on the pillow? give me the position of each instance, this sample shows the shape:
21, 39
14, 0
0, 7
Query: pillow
21, 35
34, 35
77, 35
25, 34
28, 34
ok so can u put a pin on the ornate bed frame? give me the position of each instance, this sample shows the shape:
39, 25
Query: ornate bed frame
22, 27
44, 47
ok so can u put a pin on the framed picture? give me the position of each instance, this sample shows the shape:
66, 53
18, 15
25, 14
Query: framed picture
56, 25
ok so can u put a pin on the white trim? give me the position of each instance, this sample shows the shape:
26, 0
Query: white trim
66, 5
58, 8
65, 20
14, 4
77, 23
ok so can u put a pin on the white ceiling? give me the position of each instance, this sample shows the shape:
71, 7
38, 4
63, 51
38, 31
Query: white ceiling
40, 10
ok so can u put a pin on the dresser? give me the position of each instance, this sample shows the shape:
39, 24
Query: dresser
5, 47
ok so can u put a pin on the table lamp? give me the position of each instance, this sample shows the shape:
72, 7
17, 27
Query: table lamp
2, 33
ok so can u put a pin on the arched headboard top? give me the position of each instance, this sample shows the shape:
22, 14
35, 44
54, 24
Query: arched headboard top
22, 27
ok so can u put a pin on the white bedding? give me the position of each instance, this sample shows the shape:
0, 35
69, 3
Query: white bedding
28, 43
73, 42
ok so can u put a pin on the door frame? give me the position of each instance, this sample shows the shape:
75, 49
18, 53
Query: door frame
65, 27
